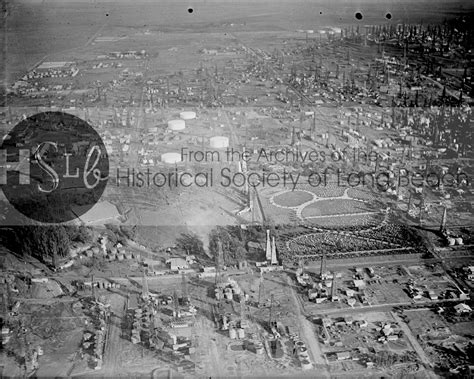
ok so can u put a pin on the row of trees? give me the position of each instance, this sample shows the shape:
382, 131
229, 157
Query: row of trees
44, 242
233, 241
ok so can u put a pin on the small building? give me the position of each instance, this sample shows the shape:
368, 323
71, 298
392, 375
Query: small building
359, 284
177, 264
343, 355
462, 308
470, 272
350, 292
348, 320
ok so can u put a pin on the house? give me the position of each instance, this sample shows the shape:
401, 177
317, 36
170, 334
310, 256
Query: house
327, 322
348, 320
350, 293
362, 323
343, 355
177, 264
432, 295
470, 272
190, 259
462, 308
359, 284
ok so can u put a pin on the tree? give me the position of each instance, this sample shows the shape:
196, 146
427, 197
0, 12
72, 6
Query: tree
232, 247
42, 242
191, 243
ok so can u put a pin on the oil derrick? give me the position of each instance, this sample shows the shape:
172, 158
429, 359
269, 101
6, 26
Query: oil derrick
256, 206
219, 262
442, 226
145, 292
176, 305
333, 288
184, 289
271, 320
268, 247
274, 260
323, 265
260, 289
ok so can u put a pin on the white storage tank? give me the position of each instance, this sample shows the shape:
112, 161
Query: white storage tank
459, 241
176, 125
219, 142
171, 158
451, 241
241, 333
187, 115
232, 334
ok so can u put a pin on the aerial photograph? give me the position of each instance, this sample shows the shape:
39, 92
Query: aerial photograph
237, 189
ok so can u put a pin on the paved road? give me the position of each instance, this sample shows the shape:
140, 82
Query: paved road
414, 342
309, 335
382, 307
112, 357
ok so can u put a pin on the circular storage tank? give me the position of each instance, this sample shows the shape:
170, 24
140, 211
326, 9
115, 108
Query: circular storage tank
187, 115
219, 142
232, 334
241, 333
228, 295
451, 241
171, 158
459, 241
176, 125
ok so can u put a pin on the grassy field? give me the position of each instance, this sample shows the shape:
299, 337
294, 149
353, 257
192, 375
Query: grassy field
335, 207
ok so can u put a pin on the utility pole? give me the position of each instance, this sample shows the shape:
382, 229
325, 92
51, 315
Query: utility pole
145, 292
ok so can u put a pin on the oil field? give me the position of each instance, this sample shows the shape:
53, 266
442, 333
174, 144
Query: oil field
288, 189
